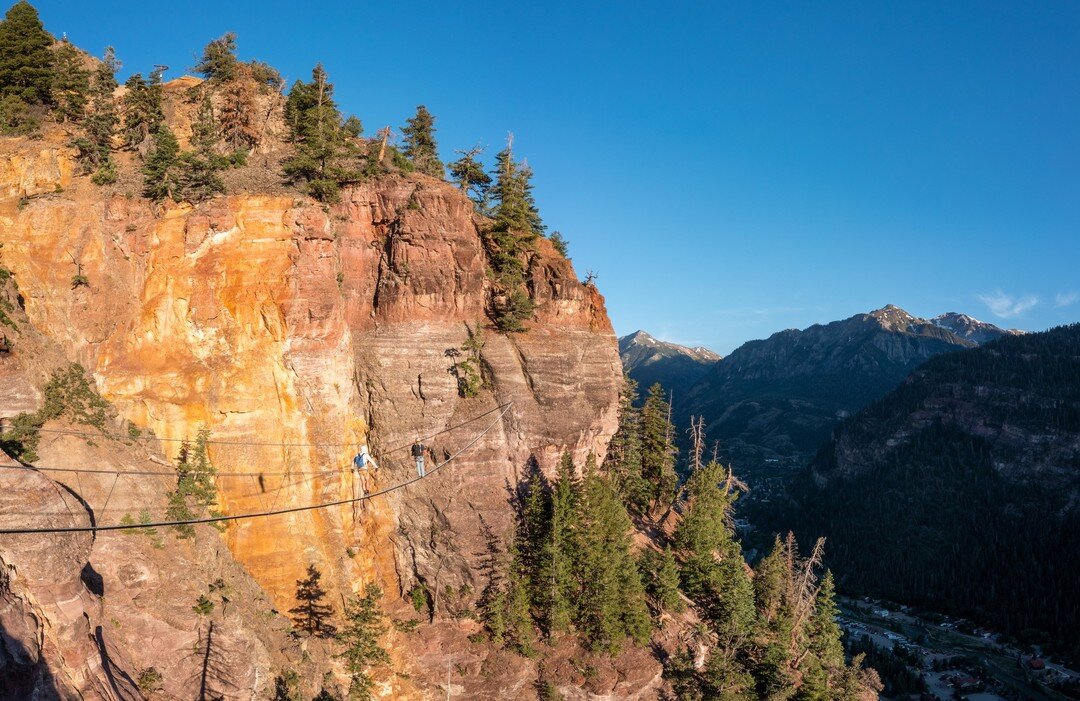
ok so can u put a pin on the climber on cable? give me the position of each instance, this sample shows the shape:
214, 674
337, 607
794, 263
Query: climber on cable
363, 459
418, 450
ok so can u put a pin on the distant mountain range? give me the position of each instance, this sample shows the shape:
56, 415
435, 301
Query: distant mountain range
960, 489
773, 402
677, 368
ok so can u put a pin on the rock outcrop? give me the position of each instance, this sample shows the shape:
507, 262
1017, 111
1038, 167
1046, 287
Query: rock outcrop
299, 331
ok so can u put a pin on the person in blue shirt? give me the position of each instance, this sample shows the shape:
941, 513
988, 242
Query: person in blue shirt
363, 460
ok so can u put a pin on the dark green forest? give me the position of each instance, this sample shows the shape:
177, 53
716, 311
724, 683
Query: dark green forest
958, 490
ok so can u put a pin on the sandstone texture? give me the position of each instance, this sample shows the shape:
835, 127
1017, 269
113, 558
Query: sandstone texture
297, 331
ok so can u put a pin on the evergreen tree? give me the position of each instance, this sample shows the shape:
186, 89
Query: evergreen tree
162, 177
360, 638
468, 173
26, 62
565, 547
515, 208
517, 224
519, 634
660, 572
70, 88
200, 167
311, 615
711, 566
825, 633
322, 138
658, 448
419, 143
725, 679
624, 452
95, 146
612, 604
144, 112
560, 244
195, 492
534, 540
219, 62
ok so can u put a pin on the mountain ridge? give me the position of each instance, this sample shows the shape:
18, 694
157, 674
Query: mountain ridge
969, 469
647, 360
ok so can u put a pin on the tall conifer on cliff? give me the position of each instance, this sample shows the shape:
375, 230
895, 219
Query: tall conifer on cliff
419, 143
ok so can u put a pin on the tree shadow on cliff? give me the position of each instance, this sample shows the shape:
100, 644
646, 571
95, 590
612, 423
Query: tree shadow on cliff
121, 682
532, 477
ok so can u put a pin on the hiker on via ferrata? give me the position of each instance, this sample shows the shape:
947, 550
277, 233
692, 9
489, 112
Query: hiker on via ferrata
418, 450
363, 459
360, 464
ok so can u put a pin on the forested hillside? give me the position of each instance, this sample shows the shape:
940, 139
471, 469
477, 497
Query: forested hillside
960, 489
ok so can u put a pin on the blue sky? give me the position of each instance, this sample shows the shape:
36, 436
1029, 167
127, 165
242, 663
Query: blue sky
727, 169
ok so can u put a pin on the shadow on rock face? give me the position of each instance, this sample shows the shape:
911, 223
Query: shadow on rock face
92, 580
22, 675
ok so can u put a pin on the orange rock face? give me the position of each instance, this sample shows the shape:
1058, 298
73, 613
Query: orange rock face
307, 330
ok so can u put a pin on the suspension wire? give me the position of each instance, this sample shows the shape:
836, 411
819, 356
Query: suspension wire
222, 441
238, 517
116, 478
216, 473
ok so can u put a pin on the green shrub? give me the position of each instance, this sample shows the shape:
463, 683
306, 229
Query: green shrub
68, 395
203, 607
150, 680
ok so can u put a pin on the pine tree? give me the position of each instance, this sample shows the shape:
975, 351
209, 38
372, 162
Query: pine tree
322, 138
143, 106
311, 615
517, 224
534, 540
200, 167
70, 88
161, 171
26, 62
612, 603
711, 566
658, 448
519, 634
419, 143
219, 62
624, 452
725, 679
195, 493
95, 146
360, 638
824, 632
468, 173
660, 572
565, 546
560, 243
515, 208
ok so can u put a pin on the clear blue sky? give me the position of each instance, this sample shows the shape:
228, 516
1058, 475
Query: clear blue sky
728, 169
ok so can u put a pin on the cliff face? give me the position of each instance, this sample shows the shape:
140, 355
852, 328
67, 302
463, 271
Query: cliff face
276, 321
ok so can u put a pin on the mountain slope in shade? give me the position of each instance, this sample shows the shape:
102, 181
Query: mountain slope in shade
778, 399
968, 473
648, 360
971, 329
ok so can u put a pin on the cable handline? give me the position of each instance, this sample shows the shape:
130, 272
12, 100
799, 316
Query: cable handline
212, 441
290, 510
217, 473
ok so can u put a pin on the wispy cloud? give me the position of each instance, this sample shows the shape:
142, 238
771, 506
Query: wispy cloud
1065, 299
1007, 306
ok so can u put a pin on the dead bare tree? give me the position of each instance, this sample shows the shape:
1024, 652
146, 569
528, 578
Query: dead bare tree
385, 135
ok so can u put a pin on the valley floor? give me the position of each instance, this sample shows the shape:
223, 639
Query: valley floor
995, 671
